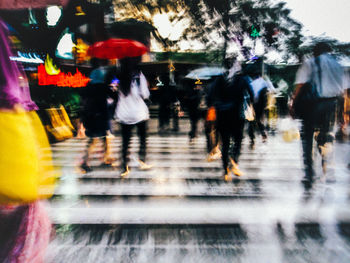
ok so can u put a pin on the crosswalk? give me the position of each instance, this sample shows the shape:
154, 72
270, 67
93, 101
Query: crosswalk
183, 211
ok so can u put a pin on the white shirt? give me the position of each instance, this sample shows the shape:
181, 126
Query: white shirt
332, 82
257, 85
132, 109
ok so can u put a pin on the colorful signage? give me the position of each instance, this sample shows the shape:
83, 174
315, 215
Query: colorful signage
62, 79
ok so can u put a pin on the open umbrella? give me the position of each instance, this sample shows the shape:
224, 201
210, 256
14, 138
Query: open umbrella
22, 4
117, 48
205, 73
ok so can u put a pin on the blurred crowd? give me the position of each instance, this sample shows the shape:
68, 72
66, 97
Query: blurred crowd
226, 101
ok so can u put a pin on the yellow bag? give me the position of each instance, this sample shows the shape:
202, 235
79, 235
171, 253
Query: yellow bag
59, 127
26, 170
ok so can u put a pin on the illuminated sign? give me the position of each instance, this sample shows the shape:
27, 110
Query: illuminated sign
27, 58
50, 68
62, 79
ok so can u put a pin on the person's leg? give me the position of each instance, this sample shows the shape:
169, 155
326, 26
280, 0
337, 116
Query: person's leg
325, 138
141, 131
225, 140
307, 137
175, 115
85, 166
126, 135
251, 132
237, 134
259, 114
192, 112
162, 117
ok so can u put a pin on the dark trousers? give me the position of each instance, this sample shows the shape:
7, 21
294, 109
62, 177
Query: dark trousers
259, 108
195, 115
230, 125
164, 115
321, 119
126, 131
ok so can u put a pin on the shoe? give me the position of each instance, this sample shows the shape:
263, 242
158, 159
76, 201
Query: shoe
252, 145
235, 170
264, 138
214, 155
108, 160
85, 168
144, 166
125, 172
227, 176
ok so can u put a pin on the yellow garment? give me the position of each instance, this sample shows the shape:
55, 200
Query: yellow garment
26, 170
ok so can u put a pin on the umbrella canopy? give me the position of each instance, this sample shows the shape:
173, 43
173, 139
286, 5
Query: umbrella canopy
205, 73
22, 4
117, 48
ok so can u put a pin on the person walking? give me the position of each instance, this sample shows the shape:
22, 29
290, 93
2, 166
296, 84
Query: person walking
228, 95
95, 113
260, 89
26, 166
132, 110
326, 77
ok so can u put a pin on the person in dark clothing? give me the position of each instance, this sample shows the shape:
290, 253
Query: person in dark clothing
260, 89
327, 78
228, 97
195, 102
167, 100
95, 113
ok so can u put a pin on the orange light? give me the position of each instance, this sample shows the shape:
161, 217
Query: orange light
62, 79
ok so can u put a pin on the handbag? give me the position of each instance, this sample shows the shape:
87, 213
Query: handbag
211, 114
305, 100
307, 97
248, 109
26, 169
249, 113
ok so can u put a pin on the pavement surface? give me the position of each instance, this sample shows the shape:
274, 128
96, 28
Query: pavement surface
183, 211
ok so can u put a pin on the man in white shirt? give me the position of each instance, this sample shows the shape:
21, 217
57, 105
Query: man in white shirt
327, 77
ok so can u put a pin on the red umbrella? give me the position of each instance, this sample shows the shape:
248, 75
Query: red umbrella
22, 4
117, 48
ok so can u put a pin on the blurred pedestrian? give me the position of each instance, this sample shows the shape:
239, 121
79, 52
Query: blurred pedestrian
195, 103
229, 96
25, 166
326, 79
132, 109
168, 103
96, 115
261, 90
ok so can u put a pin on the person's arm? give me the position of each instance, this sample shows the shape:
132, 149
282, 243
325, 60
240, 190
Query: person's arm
144, 91
303, 75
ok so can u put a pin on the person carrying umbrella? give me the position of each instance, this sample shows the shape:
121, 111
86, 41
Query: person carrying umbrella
132, 110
